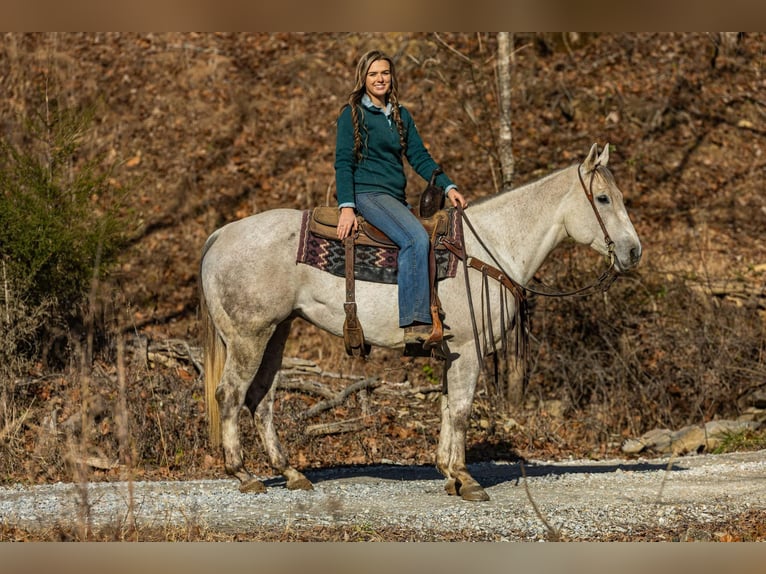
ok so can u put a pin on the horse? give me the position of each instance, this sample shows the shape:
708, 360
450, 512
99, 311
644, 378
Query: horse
252, 289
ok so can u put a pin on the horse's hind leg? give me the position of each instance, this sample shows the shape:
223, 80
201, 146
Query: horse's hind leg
260, 400
264, 422
242, 361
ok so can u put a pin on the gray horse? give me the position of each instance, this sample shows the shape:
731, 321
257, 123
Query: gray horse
252, 289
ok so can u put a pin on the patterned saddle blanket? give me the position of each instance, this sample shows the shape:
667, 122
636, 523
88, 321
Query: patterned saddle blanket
375, 257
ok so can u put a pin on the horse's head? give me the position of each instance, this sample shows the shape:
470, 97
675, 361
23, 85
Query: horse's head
599, 216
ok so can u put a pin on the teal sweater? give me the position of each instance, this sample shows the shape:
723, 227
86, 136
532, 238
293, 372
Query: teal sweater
381, 168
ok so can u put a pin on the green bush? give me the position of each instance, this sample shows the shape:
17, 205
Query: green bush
59, 225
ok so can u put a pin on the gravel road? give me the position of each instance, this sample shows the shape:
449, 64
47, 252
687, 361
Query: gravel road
583, 500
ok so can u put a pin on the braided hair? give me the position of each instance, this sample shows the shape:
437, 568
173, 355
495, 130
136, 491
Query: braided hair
355, 99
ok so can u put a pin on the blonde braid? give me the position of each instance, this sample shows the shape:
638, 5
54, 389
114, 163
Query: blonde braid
358, 155
395, 113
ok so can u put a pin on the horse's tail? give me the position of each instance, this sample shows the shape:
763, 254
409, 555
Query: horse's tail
214, 359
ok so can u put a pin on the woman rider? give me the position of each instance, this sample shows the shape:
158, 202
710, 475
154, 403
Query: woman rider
374, 135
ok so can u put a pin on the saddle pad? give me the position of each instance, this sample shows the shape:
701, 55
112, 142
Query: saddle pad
371, 263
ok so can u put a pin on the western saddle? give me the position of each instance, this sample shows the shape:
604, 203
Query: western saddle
324, 222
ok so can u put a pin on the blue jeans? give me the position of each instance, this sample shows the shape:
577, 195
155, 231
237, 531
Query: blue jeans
395, 219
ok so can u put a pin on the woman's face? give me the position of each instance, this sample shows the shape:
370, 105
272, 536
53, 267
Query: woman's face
378, 82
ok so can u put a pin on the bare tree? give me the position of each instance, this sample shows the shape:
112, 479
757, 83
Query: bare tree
505, 151
513, 371
482, 75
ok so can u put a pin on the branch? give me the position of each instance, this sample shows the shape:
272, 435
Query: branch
337, 400
297, 366
554, 534
170, 351
748, 295
351, 425
307, 387
453, 50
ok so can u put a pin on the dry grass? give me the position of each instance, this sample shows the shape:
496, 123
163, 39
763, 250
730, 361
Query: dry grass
747, 527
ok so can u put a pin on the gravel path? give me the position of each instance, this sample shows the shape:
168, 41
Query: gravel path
583, 499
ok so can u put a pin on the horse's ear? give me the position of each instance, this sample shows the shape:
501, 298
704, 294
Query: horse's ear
603, 159
590, 162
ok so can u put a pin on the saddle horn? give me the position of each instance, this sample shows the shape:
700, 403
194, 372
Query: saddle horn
432, 198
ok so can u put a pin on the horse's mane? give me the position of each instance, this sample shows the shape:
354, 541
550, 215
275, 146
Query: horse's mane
519, 187
601, 170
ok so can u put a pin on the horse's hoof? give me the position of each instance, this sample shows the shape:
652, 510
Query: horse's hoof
451, 487
252, 485
474, 493
301, 483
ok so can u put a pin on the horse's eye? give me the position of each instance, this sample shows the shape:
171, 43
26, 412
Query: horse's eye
603, 199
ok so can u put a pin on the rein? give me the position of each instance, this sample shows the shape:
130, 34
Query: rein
604, 280
518, 291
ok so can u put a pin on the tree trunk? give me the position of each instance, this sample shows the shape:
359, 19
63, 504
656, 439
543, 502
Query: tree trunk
505, 151
513, 371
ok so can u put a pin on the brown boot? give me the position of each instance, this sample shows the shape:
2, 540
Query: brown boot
416, 334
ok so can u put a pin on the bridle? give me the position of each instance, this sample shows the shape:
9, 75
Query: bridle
603, 282
520, 292
609, 275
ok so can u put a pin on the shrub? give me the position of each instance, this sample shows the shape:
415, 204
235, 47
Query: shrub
59, 226
653, 352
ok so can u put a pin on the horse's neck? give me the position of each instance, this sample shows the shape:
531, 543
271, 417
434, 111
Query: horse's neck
521, 226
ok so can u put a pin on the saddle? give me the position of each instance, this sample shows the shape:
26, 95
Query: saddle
323, 222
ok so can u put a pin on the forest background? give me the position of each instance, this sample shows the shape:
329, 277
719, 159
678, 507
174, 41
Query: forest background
122, 152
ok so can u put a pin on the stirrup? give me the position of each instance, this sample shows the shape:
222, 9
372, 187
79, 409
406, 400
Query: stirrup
432, 342
439, 351
426, 336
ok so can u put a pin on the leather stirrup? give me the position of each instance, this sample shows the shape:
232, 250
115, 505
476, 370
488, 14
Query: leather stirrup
353, 336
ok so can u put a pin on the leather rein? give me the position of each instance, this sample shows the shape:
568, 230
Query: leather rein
602, 284
519, 292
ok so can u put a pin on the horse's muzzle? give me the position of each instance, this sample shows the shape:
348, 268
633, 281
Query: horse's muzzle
632, 259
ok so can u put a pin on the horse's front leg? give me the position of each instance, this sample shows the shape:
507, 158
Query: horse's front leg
456, 404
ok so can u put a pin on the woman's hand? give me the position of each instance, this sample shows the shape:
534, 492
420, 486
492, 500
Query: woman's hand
456, 198
346, 222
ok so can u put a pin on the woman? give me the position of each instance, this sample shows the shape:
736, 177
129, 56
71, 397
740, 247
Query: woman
375, 134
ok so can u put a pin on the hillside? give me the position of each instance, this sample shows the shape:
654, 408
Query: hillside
212, 127
207, 128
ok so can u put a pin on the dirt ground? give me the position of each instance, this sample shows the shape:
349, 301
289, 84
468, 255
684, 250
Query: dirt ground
696, 498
